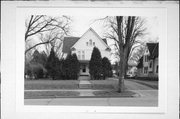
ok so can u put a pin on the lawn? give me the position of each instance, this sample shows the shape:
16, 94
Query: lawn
50, 84
45, 84
49, 94
109, 83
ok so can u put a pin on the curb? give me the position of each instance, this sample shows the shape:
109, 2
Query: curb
151, 86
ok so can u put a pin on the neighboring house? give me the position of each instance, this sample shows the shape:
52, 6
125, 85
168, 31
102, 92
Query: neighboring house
83, 47
148, 63
131, 72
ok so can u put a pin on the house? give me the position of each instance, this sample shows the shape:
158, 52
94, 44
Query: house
131, 72
148, 64
83, 47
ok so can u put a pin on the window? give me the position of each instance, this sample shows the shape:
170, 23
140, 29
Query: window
79, 54
157, 69
86, 43
146, 58
145, 70
84, 68
90, 42
150, 65
83, 55
93, 43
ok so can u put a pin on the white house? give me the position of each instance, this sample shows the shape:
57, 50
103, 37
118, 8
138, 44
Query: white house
83, 47
148, 63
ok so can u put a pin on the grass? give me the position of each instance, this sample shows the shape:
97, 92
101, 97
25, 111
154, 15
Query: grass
49, 94
114, 94
104, 84
45, 84
50, 84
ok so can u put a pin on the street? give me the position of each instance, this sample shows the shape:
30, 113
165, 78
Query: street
147, 97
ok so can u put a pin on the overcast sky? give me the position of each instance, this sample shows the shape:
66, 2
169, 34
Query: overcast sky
81, 24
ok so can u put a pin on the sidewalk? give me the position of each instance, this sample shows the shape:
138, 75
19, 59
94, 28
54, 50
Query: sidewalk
146, 100
152, 84
85, 86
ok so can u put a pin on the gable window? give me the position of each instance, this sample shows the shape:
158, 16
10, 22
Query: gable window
90, 42
93, 43
83, 55
146, 58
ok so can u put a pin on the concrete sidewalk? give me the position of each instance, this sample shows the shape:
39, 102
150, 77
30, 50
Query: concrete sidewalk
85, 84
152, 84
148, 98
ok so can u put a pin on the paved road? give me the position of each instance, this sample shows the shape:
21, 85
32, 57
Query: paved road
148, 97
132, 85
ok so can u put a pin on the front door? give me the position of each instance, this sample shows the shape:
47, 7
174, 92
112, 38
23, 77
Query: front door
84, 70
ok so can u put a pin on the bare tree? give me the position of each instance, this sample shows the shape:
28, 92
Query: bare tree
124, 31
55, 39
41, 25
136, 53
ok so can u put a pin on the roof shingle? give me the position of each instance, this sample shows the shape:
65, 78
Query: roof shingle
153, 49
68, 42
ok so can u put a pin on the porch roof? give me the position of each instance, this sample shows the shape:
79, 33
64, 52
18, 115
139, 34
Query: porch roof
84, 61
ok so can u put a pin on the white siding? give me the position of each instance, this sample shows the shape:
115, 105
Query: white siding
151, 66
88, 52
84, 44
155, 67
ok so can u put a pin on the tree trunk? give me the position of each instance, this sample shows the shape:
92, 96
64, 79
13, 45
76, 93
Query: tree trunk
125, 64
121, 76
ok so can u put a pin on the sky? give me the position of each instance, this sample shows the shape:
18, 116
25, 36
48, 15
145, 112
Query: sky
81, 24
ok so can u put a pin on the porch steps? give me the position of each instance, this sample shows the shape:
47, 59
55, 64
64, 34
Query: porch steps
84, 84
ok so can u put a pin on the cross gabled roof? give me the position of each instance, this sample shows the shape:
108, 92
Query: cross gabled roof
68, 42
153, 49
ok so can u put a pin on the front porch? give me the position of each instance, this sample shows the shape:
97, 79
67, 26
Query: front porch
84, 68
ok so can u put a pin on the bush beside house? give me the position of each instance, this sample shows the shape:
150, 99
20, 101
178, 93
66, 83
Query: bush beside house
99, 67
106, 68
51, 66
70, 67
35, 68
95, 64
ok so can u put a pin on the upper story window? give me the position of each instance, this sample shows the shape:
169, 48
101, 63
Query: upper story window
145, 70
93, 43
79, 54
157, 69
146, 58
83, 55
90, 42
86, 43
150, 65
